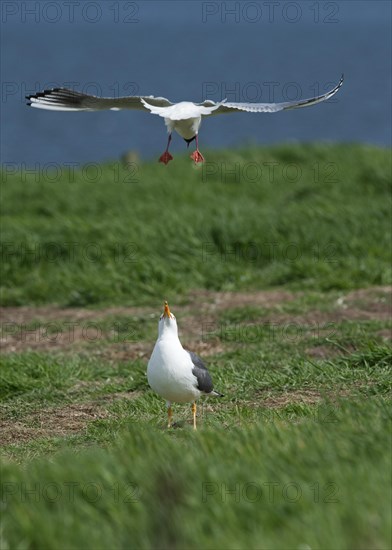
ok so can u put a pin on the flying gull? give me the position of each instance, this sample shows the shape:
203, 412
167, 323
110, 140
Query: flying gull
184, 117
174, 373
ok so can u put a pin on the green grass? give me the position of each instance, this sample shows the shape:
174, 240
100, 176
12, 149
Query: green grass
269, 485
304, 474
297, 453
320, 220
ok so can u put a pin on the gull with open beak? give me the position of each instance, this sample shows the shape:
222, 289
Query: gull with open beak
174, 373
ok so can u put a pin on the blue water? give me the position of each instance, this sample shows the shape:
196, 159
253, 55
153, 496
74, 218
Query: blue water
192, 51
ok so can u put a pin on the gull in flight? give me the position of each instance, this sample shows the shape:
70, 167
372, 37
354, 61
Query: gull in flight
184, 117
174, 373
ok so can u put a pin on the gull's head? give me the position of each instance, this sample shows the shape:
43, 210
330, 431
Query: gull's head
167, 322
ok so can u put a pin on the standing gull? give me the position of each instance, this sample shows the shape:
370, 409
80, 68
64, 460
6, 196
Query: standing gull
174, 373
184, 117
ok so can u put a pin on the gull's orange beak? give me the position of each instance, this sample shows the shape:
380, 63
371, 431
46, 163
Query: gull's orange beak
166, 311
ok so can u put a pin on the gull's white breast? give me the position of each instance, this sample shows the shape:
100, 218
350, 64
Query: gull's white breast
169, 372
187, 128
183, 117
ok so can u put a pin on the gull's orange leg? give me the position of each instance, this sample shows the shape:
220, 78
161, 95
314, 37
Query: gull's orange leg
169, 415
194, 415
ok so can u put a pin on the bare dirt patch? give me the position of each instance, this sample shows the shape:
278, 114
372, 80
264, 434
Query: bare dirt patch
197, 317
201, 312
371, 300
129, 352
212, 301
27, 314
58, 422
322, 352
50, 423
306, 397
36, 328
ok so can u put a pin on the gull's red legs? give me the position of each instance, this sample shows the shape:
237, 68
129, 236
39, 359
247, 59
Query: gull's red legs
196, 155
166, 156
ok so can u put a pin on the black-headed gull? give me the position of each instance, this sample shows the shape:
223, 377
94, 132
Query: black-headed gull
184, 117
174, 373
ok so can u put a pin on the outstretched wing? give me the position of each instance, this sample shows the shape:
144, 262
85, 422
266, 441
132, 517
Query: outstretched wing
269, 107
204, 381
62, 99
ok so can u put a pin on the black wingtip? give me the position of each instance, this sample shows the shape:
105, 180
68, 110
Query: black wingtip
43, 94
340, 81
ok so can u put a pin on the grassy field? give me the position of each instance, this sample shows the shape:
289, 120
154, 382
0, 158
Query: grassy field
276, 262
311, 217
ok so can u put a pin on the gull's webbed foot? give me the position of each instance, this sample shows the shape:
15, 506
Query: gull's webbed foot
165, 157
197, 156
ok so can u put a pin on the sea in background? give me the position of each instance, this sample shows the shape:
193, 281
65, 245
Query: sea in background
244, 51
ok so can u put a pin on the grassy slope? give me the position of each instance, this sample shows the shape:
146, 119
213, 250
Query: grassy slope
316, 475
327, 460
328, 484
320, 221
